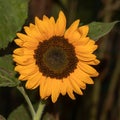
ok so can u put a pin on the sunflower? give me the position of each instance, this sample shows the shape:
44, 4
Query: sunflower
55, 59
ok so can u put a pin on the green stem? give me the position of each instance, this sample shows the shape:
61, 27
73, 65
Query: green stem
39, 111
21, 89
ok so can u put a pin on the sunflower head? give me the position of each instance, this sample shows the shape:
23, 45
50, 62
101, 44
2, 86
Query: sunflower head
55, 59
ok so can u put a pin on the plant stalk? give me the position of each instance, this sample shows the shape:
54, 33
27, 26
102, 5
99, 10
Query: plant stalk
39, 112
22, 90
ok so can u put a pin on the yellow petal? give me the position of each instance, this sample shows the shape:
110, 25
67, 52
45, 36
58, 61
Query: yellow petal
60, 24
43, 82
74, 38
28, 31
83, 41
76, 76
19, 42
23, 60
88, 69
26, 70
85, 49
34, 81
45, 18
20, 67
84, 77
18, 51
52, 20
45, 28
50, 24
23, 51
48, 87
30, 45
69, 88
33, 32
71, 29
55, 90
39, 24
88, 80
23, 77
32, 26
84, 30
88, 47
63, 88
26, 38
92, 62
70, 93
75, 86
86, 57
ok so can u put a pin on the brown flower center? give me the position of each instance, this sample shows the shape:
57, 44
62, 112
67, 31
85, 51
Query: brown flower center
56, 57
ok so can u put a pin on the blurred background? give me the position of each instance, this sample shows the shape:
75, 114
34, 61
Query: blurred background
100, 101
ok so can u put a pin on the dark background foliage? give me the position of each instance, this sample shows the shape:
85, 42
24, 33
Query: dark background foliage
100, 101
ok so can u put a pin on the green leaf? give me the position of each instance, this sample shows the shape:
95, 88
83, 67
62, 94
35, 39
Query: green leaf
2, 118
21, 113
99, 29
12, 16
7, 73
48, 116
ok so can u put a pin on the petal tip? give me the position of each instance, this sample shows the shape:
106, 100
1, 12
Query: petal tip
61, 12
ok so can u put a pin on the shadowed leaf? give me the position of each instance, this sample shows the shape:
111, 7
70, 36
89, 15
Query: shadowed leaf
99, 29
12, 16
20, 113
7, 73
